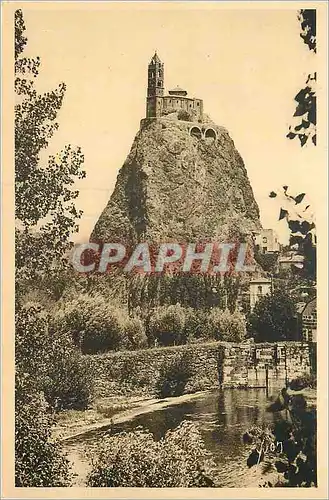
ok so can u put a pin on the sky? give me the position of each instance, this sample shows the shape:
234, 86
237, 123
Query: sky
246, 64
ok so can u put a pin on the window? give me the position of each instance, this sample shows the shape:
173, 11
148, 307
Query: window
198, 104
264, 240
260, 289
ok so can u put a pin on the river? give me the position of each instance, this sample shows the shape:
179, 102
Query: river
222, 416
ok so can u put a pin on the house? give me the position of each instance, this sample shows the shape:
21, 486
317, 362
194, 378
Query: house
267, 241
289, 261
309, 321
259, 287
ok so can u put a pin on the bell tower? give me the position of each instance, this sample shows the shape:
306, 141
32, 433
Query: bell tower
155, 87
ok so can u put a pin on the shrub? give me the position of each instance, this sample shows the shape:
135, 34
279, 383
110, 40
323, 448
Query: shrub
174, 375
134, 333
94, 325
226, 326
136, 459
167, 325
38, 458
184, 115
296, 461
60, 370
303, 382
69, 380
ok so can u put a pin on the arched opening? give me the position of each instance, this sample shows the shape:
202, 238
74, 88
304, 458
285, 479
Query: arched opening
196, 132
210, 134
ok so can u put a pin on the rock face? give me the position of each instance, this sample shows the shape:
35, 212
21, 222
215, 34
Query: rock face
176, 186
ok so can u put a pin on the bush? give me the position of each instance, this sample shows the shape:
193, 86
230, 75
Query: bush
134, 333
136, 459
167, 325
184, 115
226, 326
297, 459
38, 458
303, 382
174, 375
59, 369
94, 325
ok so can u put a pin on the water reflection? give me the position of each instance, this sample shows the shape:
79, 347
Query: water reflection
223, 416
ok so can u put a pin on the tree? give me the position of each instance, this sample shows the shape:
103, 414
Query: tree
273, 318
45, 218
226, 326
38, 458
300, 220
306, 97
44, 195
167, 324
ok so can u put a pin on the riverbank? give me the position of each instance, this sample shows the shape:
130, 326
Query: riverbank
221, 415
110, 411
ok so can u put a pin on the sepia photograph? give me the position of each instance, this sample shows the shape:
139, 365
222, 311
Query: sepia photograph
164, 249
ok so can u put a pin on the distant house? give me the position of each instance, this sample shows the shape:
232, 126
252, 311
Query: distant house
267, 241
309, 321
291, 260
258, 288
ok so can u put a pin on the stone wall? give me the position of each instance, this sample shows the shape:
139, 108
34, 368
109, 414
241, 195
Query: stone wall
214, 364
137, 372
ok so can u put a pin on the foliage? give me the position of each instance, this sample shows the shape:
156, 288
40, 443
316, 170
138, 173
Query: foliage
273, 318
267, 261
45, 217
184, 115
300, 219
303, 381
295, 458
307, 18
134, 333
94, 325
195, 324
189, 290
226, 326
44, 198
306, 97
136, 459
167, 324
59, 369
38, 458
174, 375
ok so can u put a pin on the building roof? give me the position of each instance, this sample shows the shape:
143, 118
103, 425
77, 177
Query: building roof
260, 280
155, 58
177, 91
310, 307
